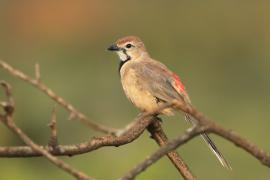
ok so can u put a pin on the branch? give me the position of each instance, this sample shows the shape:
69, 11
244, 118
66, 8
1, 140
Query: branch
204, 125
239, 141
59, 163
160, 137
171, 145
8, 121
95, 143
62, 102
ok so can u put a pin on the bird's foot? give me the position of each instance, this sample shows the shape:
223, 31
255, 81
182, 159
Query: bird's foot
159, 119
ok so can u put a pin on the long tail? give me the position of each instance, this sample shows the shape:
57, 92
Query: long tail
212, 146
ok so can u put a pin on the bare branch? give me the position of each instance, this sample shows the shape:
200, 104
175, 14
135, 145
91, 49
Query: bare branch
58, 162
95, 143
171, 145
8, 121
242, 143
62, 102
160, 137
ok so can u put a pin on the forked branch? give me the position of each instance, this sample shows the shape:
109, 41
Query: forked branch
160, 137
36, 82
7, 119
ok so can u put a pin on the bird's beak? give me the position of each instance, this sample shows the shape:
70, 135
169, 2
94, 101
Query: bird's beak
113, 47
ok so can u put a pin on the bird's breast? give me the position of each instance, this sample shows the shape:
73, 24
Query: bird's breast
137, 92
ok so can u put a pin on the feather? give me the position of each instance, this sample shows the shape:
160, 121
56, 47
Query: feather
211, 145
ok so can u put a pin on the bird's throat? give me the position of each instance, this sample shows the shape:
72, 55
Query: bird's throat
124, 58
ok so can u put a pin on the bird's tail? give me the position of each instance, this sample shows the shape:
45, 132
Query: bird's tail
212, 146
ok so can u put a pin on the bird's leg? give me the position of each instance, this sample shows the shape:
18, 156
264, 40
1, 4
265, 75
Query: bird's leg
158, 118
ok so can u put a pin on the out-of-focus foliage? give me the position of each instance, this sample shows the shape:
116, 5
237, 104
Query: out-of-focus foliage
219, 48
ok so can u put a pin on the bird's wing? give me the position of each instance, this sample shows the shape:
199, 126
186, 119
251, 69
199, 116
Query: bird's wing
161, 82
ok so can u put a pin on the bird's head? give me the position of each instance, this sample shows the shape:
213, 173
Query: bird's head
128, 48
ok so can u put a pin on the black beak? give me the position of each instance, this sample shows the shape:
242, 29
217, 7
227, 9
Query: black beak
113, 47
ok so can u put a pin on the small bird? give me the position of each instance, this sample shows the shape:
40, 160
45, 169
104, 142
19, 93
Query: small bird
148, 83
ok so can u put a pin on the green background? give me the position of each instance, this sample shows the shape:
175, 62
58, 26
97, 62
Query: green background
220, 49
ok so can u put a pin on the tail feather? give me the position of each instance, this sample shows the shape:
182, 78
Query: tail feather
215, 150
211, 145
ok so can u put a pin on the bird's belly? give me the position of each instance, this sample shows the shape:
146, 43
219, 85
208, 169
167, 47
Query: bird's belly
139, 96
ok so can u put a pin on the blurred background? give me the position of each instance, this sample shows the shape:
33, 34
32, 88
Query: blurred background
220, 49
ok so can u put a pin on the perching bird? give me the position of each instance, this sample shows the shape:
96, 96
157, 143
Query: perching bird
148, 83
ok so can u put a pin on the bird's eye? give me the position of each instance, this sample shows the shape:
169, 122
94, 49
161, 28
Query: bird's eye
128, 45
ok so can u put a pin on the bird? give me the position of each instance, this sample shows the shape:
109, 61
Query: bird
149, 84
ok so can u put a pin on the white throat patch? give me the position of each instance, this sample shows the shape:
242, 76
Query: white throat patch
122, 56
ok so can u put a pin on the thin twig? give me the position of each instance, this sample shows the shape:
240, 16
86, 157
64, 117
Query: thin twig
9, 105
37, 72
160, 137
62, 102
53, 138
